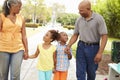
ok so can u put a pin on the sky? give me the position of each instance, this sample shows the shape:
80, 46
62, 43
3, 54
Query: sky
71, 5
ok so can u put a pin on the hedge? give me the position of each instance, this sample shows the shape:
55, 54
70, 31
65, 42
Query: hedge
68, 26
32, 25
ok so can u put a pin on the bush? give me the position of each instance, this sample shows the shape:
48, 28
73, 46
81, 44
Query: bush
67, 19
68, 26
32, 25
110, 10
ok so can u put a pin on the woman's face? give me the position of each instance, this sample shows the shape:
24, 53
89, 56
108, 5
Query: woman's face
15, 8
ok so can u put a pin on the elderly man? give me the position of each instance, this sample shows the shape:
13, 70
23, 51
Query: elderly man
92, 32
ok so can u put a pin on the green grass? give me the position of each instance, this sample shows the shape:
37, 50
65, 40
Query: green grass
107, 48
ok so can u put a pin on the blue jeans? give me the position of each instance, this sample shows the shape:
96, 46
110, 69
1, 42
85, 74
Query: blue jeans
45, 75
85, 61
10, 62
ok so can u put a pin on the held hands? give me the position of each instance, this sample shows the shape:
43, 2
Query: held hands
54, 70
25, 56
67, 50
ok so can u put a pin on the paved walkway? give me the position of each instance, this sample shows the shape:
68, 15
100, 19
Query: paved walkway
29, 71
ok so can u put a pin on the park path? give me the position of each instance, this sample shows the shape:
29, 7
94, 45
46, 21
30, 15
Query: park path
29, 71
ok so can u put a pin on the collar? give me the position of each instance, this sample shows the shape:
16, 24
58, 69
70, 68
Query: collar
92, 16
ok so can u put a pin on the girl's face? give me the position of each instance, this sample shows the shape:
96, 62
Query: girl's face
63, 37
16, 8
47, 37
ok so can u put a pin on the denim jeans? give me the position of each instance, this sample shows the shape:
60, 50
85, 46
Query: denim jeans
85, 61
10, 62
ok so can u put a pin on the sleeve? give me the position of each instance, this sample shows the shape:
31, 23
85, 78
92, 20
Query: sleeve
76, 30
102, 26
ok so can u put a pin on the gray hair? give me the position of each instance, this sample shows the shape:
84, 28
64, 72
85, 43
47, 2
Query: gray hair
7, 5
9, 2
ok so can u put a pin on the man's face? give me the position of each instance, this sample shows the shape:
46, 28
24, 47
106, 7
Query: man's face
83, 11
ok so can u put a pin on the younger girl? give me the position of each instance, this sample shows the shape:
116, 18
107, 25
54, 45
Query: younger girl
46, 51
62, 59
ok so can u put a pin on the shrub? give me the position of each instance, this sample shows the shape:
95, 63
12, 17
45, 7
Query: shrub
32, 25
68, 26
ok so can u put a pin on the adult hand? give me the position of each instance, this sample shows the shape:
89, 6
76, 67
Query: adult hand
67, 49
25, 56
98, 58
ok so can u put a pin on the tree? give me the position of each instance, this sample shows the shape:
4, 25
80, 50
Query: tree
67, 19
36, 10
113, 17
110, 10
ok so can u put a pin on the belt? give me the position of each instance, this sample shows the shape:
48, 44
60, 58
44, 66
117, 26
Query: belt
87, 43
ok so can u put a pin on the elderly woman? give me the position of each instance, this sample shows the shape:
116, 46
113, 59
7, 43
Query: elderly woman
13, 42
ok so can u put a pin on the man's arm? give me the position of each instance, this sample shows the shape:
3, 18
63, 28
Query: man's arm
71, 42
98, 56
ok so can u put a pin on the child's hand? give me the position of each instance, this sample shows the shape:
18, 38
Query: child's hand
67, 52
54, 70
67, 49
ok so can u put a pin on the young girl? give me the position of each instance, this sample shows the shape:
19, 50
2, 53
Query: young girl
46, 51
62, 59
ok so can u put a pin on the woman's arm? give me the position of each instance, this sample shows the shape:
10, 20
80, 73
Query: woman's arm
24, 40
35, 55
0, 24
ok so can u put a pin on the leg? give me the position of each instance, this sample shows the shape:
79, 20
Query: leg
16, 61
80, 62
63, 75
48, 75
91, 66
4, 65
56, 75
41, 75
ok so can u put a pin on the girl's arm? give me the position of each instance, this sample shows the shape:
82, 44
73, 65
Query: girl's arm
54, 59
35, 55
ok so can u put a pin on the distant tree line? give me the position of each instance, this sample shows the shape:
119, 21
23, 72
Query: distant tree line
109, 9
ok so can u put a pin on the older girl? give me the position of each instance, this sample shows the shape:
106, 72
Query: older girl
46, 51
